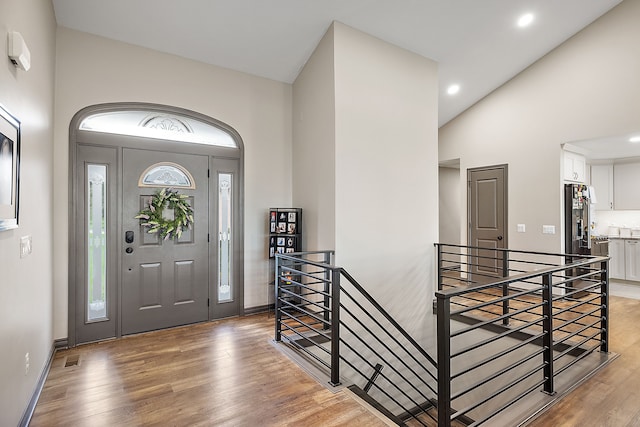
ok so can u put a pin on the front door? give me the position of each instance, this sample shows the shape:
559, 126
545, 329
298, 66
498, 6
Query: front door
123, 279
487, 221
164, 280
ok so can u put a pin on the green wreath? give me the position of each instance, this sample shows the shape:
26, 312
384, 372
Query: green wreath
167, 228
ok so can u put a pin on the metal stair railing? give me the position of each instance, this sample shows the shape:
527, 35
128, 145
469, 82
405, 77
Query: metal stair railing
323, 312
501, 334
540, 313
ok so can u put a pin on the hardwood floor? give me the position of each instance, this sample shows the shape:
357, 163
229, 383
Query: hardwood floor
224, 373
227, 373
612, 396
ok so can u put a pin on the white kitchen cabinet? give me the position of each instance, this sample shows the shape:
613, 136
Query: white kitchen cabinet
602, 182
617, 261
575, 167
625, 259
626, 191
632, 259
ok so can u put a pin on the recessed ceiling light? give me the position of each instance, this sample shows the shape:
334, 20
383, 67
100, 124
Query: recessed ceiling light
525, 20
634, 139
453, 89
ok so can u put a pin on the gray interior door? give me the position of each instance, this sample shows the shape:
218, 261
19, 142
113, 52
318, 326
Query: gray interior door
487, 220
165, 283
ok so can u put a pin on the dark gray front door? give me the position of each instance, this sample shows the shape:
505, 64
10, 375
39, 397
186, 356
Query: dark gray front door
164, 282
123, 280
487, 220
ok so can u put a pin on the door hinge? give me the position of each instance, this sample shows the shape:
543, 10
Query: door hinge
208, 173
207, 302
208, 237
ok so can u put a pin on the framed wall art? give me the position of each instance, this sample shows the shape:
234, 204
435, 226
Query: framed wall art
9, 170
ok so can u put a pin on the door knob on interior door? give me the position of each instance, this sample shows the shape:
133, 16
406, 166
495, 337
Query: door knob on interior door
499, 237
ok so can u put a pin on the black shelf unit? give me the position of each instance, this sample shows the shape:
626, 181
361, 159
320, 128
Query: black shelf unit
285, 230
285, 236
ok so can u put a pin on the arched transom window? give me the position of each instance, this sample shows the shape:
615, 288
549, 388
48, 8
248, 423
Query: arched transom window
166, 174
151, 124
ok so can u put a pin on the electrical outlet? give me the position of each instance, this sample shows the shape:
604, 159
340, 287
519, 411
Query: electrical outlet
548, 229
27, 363
25, 246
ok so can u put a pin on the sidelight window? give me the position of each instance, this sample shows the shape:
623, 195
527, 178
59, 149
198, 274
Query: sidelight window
225, 243
96, 286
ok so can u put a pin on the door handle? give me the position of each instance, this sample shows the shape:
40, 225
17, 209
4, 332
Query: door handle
128, 236
499, 237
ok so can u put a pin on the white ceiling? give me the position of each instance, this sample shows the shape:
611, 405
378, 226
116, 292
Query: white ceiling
476, 42
607, 148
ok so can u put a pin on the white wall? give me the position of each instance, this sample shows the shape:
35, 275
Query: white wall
93, 70
449, 207
586, 88
626, 219
386, 179
25, 283
314, 147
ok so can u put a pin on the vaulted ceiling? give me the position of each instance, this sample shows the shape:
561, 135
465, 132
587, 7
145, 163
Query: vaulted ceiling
477, 43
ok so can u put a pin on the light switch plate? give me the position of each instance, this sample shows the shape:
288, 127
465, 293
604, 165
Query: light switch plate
25, 246
548, 229
522, 228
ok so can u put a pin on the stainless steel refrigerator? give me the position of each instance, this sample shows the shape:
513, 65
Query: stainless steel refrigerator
577, 226
577, 233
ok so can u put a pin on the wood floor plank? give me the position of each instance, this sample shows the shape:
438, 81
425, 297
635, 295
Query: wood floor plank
227, 373
611, 397
224, 373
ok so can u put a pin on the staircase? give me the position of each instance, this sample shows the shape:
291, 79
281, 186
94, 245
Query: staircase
496, 343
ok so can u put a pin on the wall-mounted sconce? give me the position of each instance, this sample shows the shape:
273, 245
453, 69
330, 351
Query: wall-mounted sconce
18, 51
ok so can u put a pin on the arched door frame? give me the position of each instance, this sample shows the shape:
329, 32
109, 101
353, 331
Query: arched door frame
76, 137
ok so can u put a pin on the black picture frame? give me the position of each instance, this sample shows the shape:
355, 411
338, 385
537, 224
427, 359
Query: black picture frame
9, 170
